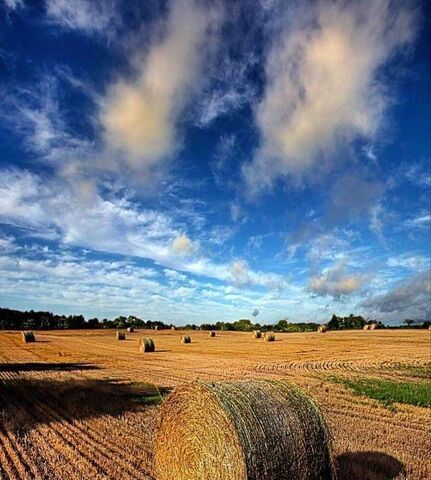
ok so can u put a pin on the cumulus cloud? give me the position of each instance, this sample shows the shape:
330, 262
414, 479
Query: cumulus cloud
88, 16
409, 297
182, 245
13, 4
141, 117
323, 84
336, 282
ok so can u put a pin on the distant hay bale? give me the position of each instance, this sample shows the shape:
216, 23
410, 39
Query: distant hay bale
130, 329
212, 333
322, 329
173, 327
269, 337
242, 430
366, 327
372, 326
28, 337
147, 345
186, 339
121, 336
257, 334
156, 327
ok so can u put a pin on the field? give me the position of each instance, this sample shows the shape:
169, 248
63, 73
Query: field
82, 405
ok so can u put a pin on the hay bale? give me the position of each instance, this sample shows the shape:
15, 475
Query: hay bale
212, 334
366, 327
257, 334
156, 327
173, 327
243, 430
322, 329
28, 337
130, 329
186, 339
120, 336
269, 337
147, 345
372, 326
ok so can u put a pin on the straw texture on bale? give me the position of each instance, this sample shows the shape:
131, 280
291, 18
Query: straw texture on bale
28, 337
147, 345
121, 336
322, 329
242, 430
269, 336
212, 334
186, 339
257, 334
130, 329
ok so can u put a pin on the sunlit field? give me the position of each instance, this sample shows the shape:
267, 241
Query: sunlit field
83, 405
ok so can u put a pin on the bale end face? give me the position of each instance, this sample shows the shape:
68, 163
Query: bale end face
186, 339
120, 336
212, 334
269, 337
209, 431
322, 329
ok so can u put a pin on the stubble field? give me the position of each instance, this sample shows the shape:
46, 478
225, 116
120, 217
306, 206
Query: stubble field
82, 405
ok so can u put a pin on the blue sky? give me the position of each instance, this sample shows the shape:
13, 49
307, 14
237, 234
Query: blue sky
200, 161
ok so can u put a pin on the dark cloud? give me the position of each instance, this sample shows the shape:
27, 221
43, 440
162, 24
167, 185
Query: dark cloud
410, 297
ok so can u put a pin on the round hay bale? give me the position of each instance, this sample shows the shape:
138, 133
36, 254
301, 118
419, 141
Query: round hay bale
243, 430
269, 337
130, 329
366, 327
120, 336
28, 337
322, 329
147, 345
173, 327
156, 327
186, 339
257, 334
212, 334
372, 326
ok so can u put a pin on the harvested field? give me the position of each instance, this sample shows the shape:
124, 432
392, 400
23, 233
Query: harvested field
81, 405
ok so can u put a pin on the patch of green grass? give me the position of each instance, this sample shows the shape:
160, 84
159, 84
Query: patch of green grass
389, 392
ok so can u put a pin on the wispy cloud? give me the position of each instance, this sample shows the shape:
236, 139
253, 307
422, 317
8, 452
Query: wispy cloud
87, 16
323, 86
141, 117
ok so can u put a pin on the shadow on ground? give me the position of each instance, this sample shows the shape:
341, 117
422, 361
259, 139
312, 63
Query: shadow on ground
26, 403
44, 366
368, 466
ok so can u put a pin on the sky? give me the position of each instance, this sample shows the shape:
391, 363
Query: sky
195, 161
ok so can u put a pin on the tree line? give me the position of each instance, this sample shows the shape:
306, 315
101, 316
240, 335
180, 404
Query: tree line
40, 320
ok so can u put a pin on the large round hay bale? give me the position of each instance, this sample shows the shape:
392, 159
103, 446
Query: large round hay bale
120, 336
257, 334
243, 430
147, 345
130, 329
372, 326
212, 334
173, 327
269, 337
366, 327
186, 339
322, 329
28, 337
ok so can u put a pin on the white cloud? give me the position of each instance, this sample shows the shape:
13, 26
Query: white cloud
141, 117
182, 245
88, 16
323, 87
54, 208
336, 282
14, 4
